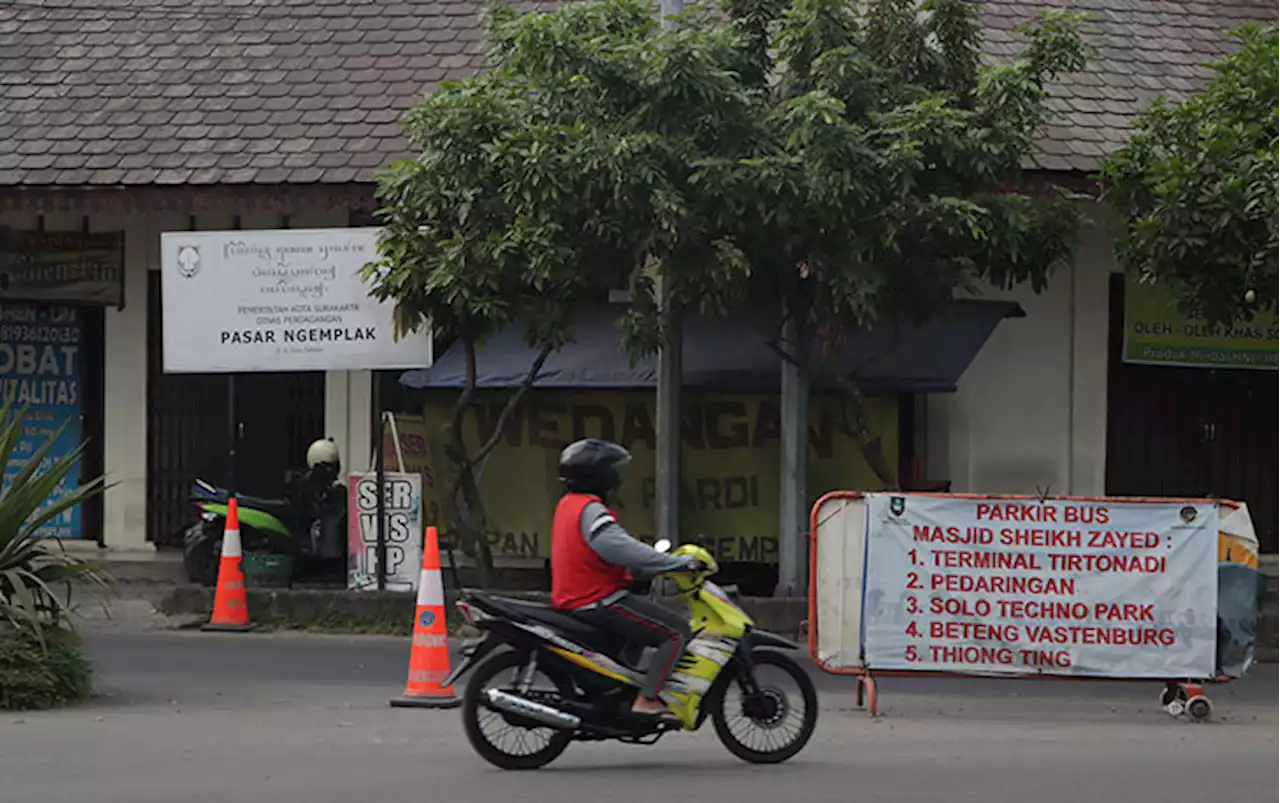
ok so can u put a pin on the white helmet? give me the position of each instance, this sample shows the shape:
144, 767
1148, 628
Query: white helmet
322, 451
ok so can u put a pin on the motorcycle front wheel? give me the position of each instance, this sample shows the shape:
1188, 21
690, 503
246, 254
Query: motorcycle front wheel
492, 734
776, 721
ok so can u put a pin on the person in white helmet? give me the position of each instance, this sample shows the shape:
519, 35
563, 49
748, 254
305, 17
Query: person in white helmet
324, 464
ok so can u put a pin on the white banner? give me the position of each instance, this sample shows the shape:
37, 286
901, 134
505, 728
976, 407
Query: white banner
279, 300
839, 523
1059, 587
404, 530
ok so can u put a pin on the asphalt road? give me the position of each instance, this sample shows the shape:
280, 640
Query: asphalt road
207, 718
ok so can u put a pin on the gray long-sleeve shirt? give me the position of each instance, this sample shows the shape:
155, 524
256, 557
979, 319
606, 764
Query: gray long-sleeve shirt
613, 544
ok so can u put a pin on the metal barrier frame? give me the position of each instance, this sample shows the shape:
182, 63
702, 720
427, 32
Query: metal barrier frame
866, 691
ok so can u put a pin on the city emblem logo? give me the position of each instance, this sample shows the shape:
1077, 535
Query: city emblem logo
426, 619
1187, 514
897, 505
188, 261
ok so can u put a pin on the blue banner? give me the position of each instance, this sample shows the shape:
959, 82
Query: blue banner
40, 355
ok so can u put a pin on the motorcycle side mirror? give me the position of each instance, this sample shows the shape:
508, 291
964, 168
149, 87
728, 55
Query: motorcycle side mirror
662, 545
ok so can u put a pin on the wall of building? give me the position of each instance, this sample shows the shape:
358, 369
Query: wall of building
125, 331
1030, 413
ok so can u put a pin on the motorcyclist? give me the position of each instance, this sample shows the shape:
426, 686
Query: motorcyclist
594, 561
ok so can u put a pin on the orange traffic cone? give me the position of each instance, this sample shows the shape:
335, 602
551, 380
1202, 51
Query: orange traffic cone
230, 608
429, 655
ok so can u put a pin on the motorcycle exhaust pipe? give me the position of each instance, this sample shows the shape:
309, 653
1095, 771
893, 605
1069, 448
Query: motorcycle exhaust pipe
538, 712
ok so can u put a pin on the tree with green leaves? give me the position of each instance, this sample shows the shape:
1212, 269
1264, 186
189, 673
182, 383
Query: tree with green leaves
533, 195
892, 179
856, 159
1196, 187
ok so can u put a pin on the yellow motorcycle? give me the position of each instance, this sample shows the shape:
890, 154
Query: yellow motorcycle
556, 680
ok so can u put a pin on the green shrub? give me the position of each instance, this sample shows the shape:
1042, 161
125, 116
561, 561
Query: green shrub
42, 669
35, 573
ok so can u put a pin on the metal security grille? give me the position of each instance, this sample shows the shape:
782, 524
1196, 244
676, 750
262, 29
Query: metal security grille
279, 415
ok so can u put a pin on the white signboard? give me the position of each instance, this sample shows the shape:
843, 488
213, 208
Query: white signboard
1056, 587
404, 530
282, 300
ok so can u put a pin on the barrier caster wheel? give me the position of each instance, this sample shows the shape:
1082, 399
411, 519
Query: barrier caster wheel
1199, 708
1173, 700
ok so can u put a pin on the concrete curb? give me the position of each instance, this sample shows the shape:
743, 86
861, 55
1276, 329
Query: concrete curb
392, 611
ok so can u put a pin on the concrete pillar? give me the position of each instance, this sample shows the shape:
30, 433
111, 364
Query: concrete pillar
125, 388
347, 396
1090, 355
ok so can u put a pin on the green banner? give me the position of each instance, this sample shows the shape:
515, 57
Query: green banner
1156, 333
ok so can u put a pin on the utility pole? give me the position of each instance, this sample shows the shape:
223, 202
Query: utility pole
670, 378
792, 524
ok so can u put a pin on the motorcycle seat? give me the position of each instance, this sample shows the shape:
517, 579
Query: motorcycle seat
279, 508
572, 628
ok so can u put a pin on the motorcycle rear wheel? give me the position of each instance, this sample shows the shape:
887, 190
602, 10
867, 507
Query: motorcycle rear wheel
474, 713
776, 711
201, 553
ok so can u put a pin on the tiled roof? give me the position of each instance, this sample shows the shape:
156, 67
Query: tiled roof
108, 92
147, 92
1144, 48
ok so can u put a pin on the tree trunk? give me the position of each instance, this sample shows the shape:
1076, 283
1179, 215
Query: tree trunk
871, 446
468, 515
854, 409
471, 523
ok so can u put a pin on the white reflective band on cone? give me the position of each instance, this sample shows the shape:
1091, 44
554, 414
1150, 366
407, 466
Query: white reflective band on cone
430, 588
231, 544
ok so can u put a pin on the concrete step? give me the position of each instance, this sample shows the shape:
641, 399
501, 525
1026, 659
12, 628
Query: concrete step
132, 566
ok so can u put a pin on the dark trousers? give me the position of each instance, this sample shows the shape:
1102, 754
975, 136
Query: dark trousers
640, 621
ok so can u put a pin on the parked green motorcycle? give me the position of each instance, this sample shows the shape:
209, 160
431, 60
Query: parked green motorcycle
308, 525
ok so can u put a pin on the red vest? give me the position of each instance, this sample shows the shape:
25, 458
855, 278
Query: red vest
579, 576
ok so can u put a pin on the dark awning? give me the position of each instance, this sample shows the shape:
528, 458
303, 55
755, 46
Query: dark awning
733, 354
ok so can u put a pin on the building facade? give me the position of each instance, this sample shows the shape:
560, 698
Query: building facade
1053, 402
133, 122
116, 127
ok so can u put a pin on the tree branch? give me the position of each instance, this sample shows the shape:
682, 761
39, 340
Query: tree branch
468, 393
513, 403
456, 449
466, 461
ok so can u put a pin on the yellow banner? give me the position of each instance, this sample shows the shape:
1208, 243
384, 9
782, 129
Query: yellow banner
729, 463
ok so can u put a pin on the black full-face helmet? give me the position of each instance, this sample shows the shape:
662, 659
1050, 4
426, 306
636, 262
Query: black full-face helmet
590, 466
